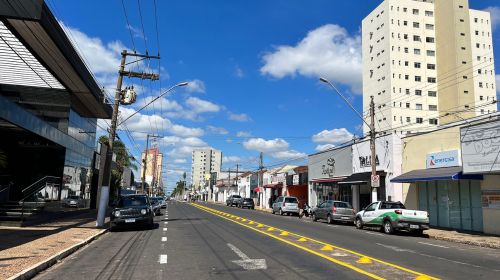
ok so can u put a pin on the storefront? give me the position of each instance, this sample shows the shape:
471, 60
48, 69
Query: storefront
326, 170
480, 155
453, 199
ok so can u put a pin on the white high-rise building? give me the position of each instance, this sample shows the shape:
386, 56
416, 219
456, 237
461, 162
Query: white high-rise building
427, 62
204, 163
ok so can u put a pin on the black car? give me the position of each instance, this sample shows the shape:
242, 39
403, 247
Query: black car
246, 203
132, 210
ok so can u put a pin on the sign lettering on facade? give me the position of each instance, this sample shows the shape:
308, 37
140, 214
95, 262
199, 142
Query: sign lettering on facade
480, 148
443, 159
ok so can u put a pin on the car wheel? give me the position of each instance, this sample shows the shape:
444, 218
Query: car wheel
359, 223
272, 211
329, 219
388, 229
253, 208
314, 218
281, 212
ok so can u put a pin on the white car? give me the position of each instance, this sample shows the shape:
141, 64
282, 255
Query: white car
286, 205
392, 216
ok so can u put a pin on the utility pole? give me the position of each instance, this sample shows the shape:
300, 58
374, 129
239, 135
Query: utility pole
260, 177
373, 160
237, 174
144, 162
106, 179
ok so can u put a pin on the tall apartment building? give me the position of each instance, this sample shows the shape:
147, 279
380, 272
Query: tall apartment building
154, 167
204, 162
427, 62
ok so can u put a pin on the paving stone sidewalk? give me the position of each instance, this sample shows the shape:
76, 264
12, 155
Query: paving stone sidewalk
23, 248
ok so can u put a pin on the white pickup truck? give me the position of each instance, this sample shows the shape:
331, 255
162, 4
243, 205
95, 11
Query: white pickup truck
392, 216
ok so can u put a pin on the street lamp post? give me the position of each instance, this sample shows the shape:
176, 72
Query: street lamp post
373, 160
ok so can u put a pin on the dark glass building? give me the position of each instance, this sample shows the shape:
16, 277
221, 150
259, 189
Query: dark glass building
49, 106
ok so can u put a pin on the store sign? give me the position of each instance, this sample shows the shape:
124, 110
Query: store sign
481, 148
443, 159
328, 169
333, 163
362, 159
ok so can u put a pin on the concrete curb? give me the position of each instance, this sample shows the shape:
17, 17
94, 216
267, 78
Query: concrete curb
465, 241
43, 265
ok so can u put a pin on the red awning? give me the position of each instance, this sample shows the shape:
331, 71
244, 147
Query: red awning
328, 180
257, 189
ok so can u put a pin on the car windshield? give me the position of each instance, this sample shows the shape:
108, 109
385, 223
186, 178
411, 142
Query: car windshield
392, 205
236, 196
342, 205
291, 200
128, 201
73, 197
247, 199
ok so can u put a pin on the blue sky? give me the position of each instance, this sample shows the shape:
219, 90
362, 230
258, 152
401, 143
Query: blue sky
253, 68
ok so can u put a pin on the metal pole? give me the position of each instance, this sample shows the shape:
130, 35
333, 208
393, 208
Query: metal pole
106, 179
145, 162
372, 148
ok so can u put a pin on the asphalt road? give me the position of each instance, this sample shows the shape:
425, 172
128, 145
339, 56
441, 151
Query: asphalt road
206, 241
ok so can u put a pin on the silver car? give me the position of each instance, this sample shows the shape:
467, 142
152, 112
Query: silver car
73, 201
332, 210
286, 205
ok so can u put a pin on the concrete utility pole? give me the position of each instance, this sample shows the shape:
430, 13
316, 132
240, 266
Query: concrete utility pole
373, 160
372, 135
260, 177
237, 174
104, 197
144, 161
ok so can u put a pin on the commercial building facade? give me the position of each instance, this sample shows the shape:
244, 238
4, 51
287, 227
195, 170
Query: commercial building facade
49, 105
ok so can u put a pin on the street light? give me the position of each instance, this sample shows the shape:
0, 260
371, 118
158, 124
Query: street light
183, 84
373, 160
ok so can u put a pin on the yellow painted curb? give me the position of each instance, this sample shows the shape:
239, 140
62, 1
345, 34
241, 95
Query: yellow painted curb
327, 248
284, 233
364, 260
302, 239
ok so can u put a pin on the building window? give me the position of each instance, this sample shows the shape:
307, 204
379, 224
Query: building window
407, 91
429, 13
418, 92
416, 24
431, 66
416, 38
406, 50
433, 121
417, 64
477, 33
405, 23
418, 106
418, 79
415, 11
432, 93
407, 77
416, 51
431, 80
481, 97
478, 45
431, 53
408, 105
480, 84
405, 36
429, 39
420, 120
407, 63
429, 26
475, 20
408, 119
433, 107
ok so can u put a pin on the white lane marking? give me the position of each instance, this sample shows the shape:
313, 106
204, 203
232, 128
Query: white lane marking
246, 262
397, 249
164, 229
163, 259
430, 244
164, 239
166, 223
453, 261
373, 233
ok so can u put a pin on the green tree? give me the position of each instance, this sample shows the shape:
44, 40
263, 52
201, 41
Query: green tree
123, 159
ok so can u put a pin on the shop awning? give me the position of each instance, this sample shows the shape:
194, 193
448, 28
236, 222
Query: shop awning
360, 178
328, 180
446, 173
273, 186
257, 189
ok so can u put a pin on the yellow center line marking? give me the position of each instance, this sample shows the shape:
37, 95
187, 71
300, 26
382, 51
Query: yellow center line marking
327, 248
270, 229
362, 260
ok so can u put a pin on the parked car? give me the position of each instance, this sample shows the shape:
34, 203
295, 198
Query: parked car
133, 210
246, 203
286, 205
233, 200
332, 210
156, 204
390, 216
73, 201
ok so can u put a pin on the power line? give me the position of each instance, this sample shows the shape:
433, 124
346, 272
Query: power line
142, 26
129, 27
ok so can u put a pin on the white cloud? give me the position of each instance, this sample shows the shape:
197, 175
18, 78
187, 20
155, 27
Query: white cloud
202, 106
244, 134
217, 130
288, 154
195, 86
182, 152
231, 159
238, 117
161, 103
266, 146
495, 16
320, 148
136, 32
327, 51
186, 131
238, 72
334, 136
180, 160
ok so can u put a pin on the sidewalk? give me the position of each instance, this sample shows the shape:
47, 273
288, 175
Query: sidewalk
475, 239
27, 250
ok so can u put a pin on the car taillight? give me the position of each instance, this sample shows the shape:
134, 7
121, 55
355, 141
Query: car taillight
334, 209
399, 212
